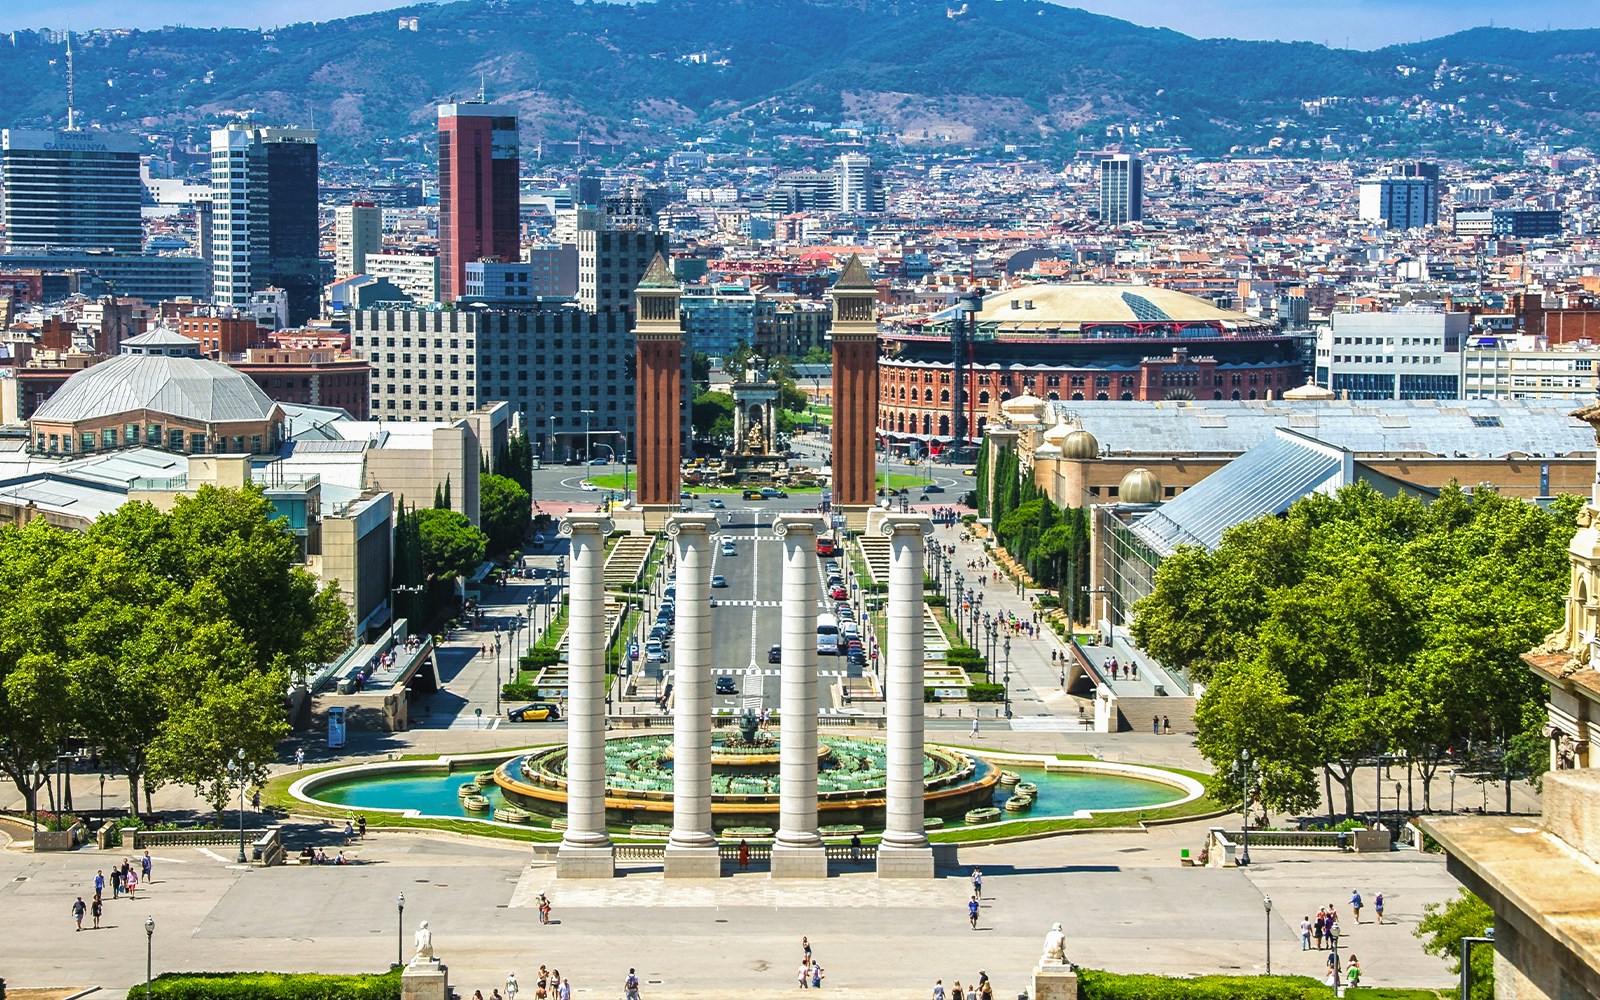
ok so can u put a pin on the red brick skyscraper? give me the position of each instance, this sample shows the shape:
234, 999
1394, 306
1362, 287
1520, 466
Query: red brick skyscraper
478, 198
855, 393
660, 385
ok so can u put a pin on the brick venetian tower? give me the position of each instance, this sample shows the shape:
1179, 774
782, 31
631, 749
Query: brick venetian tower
658, 438
855, 393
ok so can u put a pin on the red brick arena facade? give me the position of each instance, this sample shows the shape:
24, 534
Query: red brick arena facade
1077, 342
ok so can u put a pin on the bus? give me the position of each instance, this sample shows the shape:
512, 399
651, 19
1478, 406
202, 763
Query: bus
827, 635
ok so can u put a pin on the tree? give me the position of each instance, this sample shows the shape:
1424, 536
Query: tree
451, 546
1444, 925
515, 461
712, 416
700, 369
817, 356
201, 742
1250, 707
505, 511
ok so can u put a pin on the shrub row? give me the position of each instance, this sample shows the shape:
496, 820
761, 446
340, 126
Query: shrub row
986, 692
1096, 985
272, 986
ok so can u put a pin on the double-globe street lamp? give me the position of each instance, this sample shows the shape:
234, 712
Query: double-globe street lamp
1243, 765
149, 945
238, 770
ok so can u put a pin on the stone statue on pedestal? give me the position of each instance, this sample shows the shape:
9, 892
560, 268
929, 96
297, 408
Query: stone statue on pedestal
1055, 946
424, 943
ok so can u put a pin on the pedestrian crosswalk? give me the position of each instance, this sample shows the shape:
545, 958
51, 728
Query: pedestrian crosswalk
748, 604
772, 671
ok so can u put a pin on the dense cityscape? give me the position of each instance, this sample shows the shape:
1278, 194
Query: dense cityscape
835, 531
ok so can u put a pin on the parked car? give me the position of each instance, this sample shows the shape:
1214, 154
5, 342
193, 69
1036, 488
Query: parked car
775, 654
725, 685
539, 711
838, 592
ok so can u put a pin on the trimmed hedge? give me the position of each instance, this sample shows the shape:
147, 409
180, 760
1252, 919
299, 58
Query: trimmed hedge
1096, 985
539, 656
272, 986
986, 692
520, 692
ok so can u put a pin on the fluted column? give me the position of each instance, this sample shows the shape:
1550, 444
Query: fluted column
585, 850
904, 851
798, 851
692, 849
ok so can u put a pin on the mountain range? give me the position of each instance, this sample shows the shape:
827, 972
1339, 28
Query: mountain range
926, 72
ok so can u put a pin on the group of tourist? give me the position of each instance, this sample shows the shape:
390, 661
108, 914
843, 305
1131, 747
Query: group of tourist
125, 879
810, 974
981, 989
1324, 931
550, 985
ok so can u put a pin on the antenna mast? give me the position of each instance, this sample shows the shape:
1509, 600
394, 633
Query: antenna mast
71, 110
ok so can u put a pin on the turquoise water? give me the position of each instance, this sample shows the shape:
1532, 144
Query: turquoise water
1060, 794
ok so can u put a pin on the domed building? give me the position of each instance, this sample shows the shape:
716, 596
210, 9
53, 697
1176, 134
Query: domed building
159, 393
1081, 342
1141, 486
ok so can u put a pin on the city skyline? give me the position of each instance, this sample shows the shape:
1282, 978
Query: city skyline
1360, 24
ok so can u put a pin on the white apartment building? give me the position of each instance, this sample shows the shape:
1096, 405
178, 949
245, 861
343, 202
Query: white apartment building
1508, 367
1411, 353
358, 231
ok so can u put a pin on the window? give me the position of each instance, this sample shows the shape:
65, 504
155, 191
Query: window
108, 437
175, 439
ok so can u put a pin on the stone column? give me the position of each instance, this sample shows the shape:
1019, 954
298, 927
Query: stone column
585, 850
798, 851
692, 849
904, 851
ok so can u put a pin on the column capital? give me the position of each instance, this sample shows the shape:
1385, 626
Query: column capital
585, 524
692, 524
799, 523
911, 524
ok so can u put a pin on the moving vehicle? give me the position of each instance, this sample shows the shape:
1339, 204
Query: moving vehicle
933, 488
602, 460
539, 711
753, 495
827, 635
588, 487
716, 504
725, 685
728, 549
775, 654
719, 581
654, 650
825, 546
772, 493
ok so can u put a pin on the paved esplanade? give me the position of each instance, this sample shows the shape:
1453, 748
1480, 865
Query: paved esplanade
691, 851
798, 851
585, 847
904, 851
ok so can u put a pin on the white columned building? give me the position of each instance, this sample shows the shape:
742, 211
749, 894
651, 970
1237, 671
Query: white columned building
798, 851
904, 851
691, 851
586, 850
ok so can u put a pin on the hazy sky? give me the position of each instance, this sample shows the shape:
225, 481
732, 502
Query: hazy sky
1357, 23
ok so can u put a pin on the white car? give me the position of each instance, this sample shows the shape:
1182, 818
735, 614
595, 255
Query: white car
588, 487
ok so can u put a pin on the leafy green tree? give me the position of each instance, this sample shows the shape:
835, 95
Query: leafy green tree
1444, 925
451, 546
700, 369
505, 511
817, 356
1250, 708
201, 742
515, 461
712, 416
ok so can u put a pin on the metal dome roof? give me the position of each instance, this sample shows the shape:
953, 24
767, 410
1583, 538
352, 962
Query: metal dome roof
190, 388
1140, 486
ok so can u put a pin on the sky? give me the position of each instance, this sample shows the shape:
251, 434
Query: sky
1363, 24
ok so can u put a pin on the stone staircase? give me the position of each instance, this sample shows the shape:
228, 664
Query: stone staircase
626, 562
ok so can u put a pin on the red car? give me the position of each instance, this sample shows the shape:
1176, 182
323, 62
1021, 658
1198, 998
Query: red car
838, 592
825, 547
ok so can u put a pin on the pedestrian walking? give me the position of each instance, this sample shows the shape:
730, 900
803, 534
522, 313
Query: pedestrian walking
544, 908
1155, 725
1166, 725
972, 912
146, 866
1333, 970
95, 909
299, 757
511, 985
956, 993
1352, 972
1305, 934
804, 974
132, 882
1377, 907
99, 883
974, 724
805, 947
361, 826
1320, 926
938, 989
977, 882
630, 986
1355, 903
78, 910
1333, 935
744, 855
816, 975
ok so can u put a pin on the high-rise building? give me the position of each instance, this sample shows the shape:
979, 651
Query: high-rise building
358, 231
478, 197
1426, 171
1121, 189
615, 248
264, 216
1400, 202
71, 190
856, 186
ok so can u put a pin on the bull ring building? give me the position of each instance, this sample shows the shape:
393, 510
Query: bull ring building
1075, 342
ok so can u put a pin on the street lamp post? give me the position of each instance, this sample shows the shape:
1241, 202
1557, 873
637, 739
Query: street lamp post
1008, 677
1266, 904
586, 446
1244, 769
400, 929
149, 943
497, 670
102, 795
33, 797
241, 805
